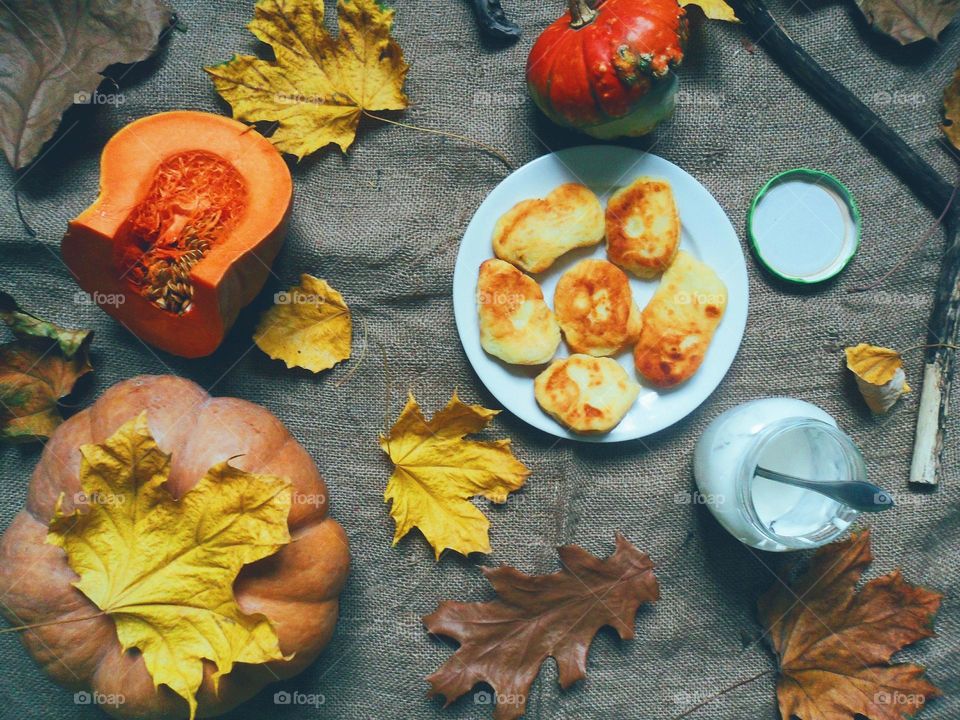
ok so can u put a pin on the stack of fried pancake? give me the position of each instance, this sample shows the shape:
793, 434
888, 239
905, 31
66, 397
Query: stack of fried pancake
593, 304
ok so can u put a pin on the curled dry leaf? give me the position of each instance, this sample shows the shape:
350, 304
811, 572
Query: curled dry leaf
24, 326
504, 642
37, 370
52, 53
318, 87
908, 21
713, 9
879, 375
163, 568
834, 646
309, 326
436, 471
951, 110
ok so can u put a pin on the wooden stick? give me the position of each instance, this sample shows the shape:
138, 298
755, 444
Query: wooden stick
926, 184
494, 22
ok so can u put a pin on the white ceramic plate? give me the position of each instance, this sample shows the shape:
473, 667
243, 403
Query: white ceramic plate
706, 234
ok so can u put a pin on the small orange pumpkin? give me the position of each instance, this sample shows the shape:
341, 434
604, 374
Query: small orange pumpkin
605, 67
297, 588
192, 211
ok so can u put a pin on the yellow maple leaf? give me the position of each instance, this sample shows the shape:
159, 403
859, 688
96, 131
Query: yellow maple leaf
318, 87
163, 569
309, 326
879, 375
713, 9
951, 110
437, 471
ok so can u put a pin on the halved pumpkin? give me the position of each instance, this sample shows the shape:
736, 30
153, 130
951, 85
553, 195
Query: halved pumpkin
192, 211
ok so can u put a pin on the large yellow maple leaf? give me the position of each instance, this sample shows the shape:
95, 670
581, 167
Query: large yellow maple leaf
437, 471
163, 569
318, 87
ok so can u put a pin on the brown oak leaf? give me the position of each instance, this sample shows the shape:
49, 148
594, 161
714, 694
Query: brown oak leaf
834, 643
37, 370
505, 641
908, 21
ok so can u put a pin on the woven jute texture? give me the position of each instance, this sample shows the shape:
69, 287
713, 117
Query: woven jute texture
383, 224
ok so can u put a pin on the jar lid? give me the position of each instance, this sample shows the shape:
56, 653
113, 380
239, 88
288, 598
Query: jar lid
804, 226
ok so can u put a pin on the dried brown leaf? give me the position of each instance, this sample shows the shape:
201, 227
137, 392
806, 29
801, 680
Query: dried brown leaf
505, 641
37, 370
835, 643
52, 53
908, 21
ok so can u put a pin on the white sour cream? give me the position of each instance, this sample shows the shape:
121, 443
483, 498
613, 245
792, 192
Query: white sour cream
789, 436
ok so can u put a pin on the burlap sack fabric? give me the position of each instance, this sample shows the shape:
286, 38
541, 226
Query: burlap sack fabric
383, 224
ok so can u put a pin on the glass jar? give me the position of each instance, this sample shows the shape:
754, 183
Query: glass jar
789, 436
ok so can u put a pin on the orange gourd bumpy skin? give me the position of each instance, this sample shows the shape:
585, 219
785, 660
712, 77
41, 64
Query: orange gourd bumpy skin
192, 211
608, 70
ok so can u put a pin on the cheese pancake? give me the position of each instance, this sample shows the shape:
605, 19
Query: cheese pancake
643, 227
595, 308
534, 233
516, 325
586, 394
679, 322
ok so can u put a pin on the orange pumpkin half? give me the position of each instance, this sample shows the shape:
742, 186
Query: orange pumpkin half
192, 211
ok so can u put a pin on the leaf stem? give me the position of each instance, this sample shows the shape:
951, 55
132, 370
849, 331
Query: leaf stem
912, 251
463, 138
23, 221
710, 699
359, 362
30, 626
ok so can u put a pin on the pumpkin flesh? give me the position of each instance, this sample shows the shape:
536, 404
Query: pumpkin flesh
192, 211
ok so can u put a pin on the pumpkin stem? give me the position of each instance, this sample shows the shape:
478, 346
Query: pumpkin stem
581, 13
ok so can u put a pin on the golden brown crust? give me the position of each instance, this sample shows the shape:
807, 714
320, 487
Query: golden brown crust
679, 322
516, 325
586, 394
643, 227
534, 233
594, 305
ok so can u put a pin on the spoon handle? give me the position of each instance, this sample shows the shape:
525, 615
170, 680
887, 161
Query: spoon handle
860, 495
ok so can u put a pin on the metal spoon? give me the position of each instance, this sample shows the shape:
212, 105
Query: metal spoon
860, 495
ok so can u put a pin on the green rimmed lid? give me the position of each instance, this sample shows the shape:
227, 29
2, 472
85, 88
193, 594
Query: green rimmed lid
804, 226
